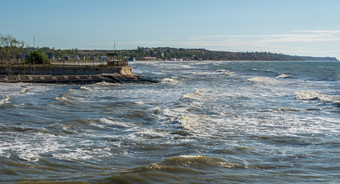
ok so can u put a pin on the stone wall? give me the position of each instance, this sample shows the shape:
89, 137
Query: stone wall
63, 70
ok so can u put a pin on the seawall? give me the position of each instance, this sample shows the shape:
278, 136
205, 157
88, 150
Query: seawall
70, 74
62, 70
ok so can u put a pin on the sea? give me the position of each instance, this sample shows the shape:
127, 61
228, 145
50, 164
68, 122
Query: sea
204, 122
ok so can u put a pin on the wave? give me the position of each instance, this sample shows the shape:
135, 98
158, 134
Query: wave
269, 80
283, 76
261, 79
5, 100
228, 73
78, 154
287, 109
67, 98
62, 98
173, 170
221, 70
193, 161
316, 95
114, 123
186, 66
171, 80
85, 88
198, 94
25, 90
189, 121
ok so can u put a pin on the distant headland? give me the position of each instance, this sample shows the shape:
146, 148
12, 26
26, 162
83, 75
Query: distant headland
13, 49
175, 54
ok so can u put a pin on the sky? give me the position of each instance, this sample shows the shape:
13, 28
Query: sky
295, 27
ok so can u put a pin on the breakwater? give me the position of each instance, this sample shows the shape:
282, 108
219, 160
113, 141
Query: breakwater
69, 74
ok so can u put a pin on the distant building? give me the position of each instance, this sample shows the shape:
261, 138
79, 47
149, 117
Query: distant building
103, 58
150, 58
76, 58
175, 59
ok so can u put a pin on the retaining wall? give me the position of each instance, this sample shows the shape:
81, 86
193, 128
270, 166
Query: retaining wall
62, 70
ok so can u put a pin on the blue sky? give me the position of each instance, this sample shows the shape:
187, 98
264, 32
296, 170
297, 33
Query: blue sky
298, 27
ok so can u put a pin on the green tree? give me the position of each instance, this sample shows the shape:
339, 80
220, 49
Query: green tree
37, 57
10, 48
11, 51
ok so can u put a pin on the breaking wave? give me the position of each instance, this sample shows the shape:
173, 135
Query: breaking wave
85, 88
114, 123
190, 121
62, 98
192, 161
5, 100
198, 94
226, 72
171, 80
261, 79
284, 76
173, 170
316, 95
25, 90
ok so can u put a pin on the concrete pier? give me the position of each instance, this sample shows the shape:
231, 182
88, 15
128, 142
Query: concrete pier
70, 75
72, 79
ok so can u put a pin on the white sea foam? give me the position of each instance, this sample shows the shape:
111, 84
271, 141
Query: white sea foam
62, 98
197, 95
114, 123
186, 66
287, 109
316, 95
5, 100
77, 154
30, 148
284, 76
220, 70
85, 88
262, 79
270, 80
191, 122
25, 90
228, 73
171, 80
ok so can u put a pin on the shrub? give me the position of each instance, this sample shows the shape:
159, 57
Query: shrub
37, 57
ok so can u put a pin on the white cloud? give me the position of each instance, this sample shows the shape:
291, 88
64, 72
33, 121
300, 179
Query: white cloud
309, 42
319, 31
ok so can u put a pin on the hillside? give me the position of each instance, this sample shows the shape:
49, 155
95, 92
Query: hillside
166, 53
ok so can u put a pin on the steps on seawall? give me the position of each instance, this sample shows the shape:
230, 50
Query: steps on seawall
74, 79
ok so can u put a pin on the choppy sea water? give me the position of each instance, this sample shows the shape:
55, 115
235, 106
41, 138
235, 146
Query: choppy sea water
205, 122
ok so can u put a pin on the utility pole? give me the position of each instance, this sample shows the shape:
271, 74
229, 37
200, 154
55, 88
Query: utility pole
33, 41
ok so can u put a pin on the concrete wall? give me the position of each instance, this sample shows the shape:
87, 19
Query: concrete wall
60, 70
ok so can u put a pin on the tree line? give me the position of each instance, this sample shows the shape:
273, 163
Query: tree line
13, 51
